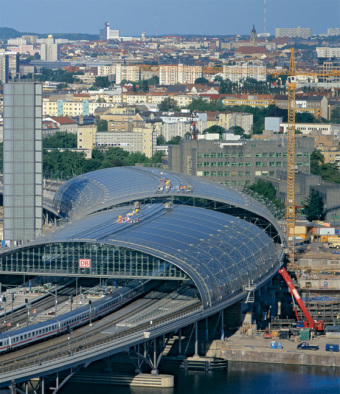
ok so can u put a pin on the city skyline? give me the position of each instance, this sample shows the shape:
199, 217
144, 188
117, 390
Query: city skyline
158, 17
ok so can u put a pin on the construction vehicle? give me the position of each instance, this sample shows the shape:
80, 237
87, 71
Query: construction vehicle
307, 346
309, 323
334, 243
267, 334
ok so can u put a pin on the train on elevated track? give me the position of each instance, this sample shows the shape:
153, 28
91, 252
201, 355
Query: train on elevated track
16, 339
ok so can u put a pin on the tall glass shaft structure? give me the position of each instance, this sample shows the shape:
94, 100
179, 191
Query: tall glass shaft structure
22, 161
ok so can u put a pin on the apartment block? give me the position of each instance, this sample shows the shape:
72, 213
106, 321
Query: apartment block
229, 119
299, 32
86, 137
142, 140
243, 70
129, 73
237, 163
328, 52
174, 74
49, 51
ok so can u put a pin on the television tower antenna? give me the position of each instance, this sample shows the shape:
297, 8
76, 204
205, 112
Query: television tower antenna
265, 17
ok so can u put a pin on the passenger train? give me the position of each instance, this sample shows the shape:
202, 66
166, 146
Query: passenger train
37, 332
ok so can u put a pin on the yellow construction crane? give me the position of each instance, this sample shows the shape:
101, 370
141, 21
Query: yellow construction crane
290, 202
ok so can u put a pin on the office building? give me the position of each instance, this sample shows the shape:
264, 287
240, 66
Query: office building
22, 158
237, 163
49, 50
4, 68
107, 34
294, 32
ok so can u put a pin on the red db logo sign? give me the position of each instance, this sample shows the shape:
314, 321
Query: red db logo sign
84, 263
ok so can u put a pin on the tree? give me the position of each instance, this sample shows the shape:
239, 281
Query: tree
314, 206
316, 160
101, 82
174, 140
267, 190
145, 85
214, 129
161, 140
335, 114
168, 104
102, 125
238, 130
328, 171
201, 80
60, 140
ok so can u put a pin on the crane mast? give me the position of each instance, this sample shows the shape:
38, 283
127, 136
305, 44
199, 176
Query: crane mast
290, 203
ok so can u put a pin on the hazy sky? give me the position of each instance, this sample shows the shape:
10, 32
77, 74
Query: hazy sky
132, 17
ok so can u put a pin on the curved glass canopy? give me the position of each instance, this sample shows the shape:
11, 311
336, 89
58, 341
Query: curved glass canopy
219, 252
103, 189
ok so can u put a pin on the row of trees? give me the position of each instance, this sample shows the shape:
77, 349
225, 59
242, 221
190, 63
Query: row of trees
313, 206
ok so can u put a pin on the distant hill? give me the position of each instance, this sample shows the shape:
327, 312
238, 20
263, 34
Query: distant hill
8, 32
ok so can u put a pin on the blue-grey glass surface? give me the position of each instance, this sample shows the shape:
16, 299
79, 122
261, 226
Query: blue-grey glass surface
221, 253
103, 189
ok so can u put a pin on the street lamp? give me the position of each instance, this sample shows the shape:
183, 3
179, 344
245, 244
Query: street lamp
90, 303
55, 299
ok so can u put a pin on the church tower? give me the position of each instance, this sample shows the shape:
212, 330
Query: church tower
253, 36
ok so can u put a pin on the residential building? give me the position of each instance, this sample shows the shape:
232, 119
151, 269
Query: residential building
328, 67
237, 163
128, 73
316, 105
4, 68
123, 122
229, 119
86, 137
253, 100
298, 32
333, 32
244, 70
22, 159
142, 140
66, 124
9, 66
328, 52
49, 50
174, 74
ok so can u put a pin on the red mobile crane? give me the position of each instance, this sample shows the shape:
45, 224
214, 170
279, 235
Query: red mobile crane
310, 323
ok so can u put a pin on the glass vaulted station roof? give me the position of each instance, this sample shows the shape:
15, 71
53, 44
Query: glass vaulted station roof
219, 252
103, 189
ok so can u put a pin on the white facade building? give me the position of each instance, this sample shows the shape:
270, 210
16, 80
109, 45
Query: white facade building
49, 50
301, 32
107, 34
244, 70
174, 74
327, 52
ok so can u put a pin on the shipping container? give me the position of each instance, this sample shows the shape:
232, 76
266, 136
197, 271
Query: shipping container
304, 334
325, 231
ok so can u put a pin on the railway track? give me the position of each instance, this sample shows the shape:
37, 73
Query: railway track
87, 340
20, 315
